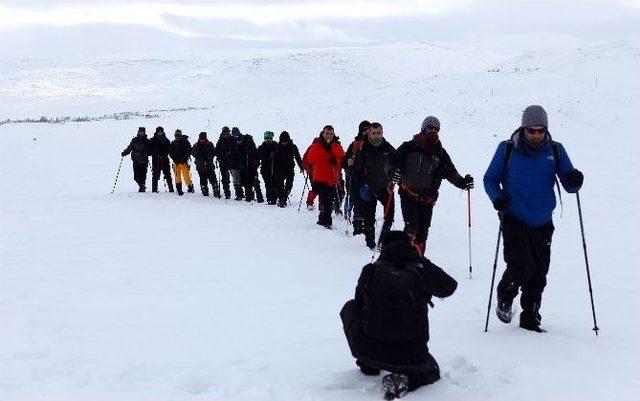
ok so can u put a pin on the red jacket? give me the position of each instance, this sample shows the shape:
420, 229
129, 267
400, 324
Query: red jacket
324, 161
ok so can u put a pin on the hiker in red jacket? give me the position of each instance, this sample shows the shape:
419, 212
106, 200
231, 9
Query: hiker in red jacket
324, 160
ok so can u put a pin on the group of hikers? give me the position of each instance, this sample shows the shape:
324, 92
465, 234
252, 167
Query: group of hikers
386, 324
235, 154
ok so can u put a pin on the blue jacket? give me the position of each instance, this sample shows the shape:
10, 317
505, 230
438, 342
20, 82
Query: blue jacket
528, 179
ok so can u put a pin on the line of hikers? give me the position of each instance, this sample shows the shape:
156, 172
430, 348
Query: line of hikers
386, 324
235, 154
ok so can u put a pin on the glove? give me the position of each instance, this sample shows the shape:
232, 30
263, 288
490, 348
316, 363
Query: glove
123, 154
575, 178
501, 202
365, 193
467, 181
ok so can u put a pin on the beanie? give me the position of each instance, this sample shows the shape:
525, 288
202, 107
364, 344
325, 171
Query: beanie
141, 130
284, 136
178, 132
534, 115
225, 130
159, 129
203, 135
268, 135
430, 121
364, 125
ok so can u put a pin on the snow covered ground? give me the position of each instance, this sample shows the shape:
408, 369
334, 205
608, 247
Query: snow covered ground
154, 297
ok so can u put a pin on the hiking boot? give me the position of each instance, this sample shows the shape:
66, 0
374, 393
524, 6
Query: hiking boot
358, 227
395, 385
142, 189
324, 224
190, 189
503, 311
531, 325
179, 189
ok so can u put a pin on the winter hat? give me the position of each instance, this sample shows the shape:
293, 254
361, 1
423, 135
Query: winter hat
225, 130
395, 235
284, 136
364, 125
268, 135
534, 115
429, 121
203, 135
178, 132
142, 130
235, 132
159, 129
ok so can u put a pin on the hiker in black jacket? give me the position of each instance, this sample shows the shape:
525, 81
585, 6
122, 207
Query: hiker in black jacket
387, 324
267, 155
160, 146
180, 153
286, 159
223, 153
371, 172
140, 149
244, 165
352, 187
419, 166
203, 153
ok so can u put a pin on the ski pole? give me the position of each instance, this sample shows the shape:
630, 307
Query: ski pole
586, 260
304, 189
387, 207
117, 175
469, 226
493, 276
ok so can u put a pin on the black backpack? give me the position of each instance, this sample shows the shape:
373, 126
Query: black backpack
395, 302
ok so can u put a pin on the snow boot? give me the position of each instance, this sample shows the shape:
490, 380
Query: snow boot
370, 238
179, 189
239, 192
142, 188
190, 189
530, 319
503, 311
358, 226
395, 385
154, 186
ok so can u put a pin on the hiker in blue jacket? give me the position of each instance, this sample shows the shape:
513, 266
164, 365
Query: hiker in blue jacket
519, 182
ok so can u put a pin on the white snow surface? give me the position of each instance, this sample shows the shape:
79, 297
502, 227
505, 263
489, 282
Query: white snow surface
158, 297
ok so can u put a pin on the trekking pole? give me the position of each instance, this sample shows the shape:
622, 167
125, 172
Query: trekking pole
586, 260
387, 207
117, 175
306, 180
493, 276
469, 225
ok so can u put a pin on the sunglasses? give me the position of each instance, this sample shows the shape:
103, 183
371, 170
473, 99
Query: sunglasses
433, 128
535, 130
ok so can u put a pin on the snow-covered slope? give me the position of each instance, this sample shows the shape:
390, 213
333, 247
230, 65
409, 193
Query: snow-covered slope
156, 297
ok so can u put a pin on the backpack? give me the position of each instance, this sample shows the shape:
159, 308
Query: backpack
395, 302
555, 150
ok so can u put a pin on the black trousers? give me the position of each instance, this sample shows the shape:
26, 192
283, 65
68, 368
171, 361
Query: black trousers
414, 360
140, 174
417, 218
270, 186
160, 164
527, 252
284, 184
226, 179
251, 182
369, 212
207, 175
327, 195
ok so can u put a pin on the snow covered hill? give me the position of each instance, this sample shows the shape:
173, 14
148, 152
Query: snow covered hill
156, 297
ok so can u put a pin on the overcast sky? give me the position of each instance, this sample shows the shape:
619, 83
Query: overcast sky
335, 22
